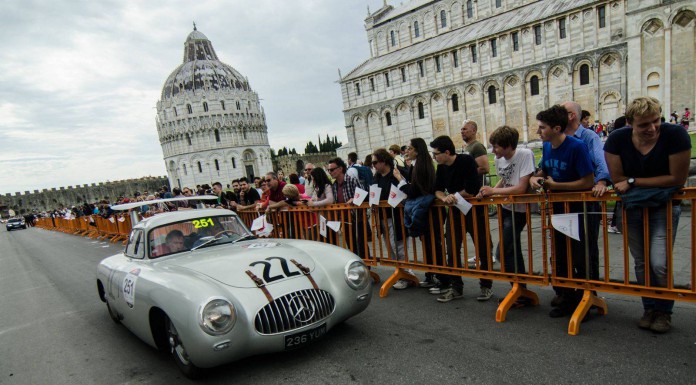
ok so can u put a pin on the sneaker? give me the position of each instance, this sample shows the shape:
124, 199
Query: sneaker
647, 319
400, 284
472, 260
486, 294
450, 294
613, 230
437, 289
428, 282
661, 324
495, 260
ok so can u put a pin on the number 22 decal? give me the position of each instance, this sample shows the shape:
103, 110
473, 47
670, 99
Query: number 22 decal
267, 269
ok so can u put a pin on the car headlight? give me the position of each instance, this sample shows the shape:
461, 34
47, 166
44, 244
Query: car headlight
357, 275
217, 317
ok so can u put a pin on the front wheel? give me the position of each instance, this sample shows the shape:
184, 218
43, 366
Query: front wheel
112, 312
178, 352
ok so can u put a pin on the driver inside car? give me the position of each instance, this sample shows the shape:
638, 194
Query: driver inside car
175, 241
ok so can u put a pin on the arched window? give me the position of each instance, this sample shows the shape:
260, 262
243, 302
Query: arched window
534, 85
244, 133
190, 110
421, 110
222, 104
443, 19
584, 74
175, 113
239, 107
185, 169
455, 103
188, 139
388, 117
205, 106
234, 163
217, 165
416, 29
491, 95
469, 9
217, 135
200, 168
393, 38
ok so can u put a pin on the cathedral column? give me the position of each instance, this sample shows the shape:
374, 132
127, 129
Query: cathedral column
447, 117
502, 101
525, 120
667, 93
595, 71
483, 112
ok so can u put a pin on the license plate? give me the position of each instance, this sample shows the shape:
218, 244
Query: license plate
297, 340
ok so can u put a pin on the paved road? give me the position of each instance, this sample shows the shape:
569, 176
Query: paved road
54, 330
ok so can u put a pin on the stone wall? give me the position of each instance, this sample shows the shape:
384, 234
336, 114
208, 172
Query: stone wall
49, 199
295, 163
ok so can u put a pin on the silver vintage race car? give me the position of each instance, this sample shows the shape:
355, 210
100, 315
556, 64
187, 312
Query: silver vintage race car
199, 285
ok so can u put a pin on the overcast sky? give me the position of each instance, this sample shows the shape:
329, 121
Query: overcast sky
79, 80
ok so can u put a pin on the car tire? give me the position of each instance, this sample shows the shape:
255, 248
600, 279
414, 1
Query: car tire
178, 352
112, 313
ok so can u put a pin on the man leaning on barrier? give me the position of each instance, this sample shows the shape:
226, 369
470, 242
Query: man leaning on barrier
648, 162
565, 166
343, 189
514, 167
601, 179
457, 173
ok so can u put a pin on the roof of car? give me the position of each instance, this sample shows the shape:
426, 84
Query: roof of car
178, 216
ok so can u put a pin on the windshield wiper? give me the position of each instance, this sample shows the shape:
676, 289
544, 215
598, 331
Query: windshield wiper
208, 240
248, 236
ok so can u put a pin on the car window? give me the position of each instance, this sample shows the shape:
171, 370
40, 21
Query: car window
135, 247
183, 236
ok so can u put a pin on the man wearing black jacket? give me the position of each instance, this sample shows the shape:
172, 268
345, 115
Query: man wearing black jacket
458, 173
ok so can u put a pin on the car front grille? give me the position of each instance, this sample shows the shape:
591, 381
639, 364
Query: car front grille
294, 310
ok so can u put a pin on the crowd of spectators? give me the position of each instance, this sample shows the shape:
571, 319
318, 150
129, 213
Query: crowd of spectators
574, 158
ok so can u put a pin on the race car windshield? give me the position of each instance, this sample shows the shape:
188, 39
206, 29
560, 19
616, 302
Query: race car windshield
196, 233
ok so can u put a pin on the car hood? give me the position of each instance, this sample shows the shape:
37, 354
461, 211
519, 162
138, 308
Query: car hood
269, 260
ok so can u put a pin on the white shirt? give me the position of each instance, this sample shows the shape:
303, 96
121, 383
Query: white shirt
511, 170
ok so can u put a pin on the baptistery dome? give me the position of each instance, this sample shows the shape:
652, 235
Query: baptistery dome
211, 125
202, 70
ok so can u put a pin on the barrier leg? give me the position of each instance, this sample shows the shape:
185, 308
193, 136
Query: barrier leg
589, 299
515, 293
399, 273
375, 277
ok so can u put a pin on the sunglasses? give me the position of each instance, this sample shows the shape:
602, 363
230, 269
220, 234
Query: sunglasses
268, 180
331, 169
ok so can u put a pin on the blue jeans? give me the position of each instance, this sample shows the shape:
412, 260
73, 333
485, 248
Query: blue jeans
513, 224
483, 239
657, 228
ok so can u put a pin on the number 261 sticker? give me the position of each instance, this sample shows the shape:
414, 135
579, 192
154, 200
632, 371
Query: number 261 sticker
129, 287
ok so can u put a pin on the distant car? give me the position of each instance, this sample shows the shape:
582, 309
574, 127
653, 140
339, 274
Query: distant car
200, 286
15, 223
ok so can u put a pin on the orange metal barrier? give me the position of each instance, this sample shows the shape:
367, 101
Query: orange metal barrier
365, 231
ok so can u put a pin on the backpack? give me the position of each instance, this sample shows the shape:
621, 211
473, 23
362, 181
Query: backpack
364, 176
